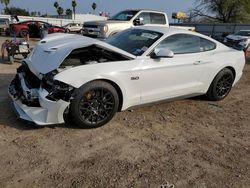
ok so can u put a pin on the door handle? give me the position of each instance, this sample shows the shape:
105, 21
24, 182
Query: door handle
197, 62
201, 62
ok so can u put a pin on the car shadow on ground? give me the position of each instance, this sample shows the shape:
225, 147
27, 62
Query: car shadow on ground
12, 120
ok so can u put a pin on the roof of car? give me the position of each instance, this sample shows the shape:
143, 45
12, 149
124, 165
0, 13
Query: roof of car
151, 10
26, 21
163, 29
171, 30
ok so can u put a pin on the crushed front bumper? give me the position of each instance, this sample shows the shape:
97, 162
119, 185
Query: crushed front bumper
46, 113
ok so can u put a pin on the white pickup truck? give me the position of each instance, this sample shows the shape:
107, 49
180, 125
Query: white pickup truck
124, 20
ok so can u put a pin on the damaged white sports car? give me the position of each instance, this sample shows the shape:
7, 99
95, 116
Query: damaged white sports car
89, 80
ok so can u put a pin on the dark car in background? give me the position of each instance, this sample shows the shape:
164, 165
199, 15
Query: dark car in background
33, 28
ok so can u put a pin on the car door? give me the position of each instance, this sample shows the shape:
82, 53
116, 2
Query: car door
165, 78
75, 27
33, 28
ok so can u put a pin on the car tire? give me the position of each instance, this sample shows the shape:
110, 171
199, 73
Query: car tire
221, 85
23, 33
67, 31
94, 104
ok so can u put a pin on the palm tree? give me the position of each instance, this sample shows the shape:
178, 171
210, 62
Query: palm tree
5, 2
69, 12
94, 5
60, 11
56, 5
74, 4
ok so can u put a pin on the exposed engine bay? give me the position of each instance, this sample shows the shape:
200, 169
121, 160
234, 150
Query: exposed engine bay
90, 55
26, 84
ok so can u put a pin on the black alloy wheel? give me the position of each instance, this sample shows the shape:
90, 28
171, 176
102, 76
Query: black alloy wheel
24, 33
221, 85
94, 105
224, 85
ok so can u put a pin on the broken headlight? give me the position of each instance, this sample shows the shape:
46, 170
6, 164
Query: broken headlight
57, 90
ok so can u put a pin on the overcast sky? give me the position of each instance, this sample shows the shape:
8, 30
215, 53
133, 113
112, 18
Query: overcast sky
112, 6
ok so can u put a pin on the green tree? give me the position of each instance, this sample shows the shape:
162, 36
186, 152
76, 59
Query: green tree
60, 11
69, 12
56, 5
44, 15
16, 11
222, 10
247, 6
94, 5
5, 2
74, 4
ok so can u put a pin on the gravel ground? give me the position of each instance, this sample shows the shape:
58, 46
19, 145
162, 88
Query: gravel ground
187, 143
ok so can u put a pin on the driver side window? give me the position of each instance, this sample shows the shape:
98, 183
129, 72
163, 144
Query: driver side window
180, 44
145, 16
185, 43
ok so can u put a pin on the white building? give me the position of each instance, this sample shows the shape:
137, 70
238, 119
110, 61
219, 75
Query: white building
79, 18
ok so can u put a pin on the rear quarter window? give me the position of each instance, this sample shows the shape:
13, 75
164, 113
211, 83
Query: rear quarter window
206, 45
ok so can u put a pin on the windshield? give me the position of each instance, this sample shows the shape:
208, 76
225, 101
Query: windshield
134, 41
243, 33
124, 15
4, 21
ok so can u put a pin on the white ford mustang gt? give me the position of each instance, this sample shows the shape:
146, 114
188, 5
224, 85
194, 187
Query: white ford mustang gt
90, 80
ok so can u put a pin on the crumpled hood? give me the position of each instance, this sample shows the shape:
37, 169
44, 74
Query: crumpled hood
50, 52
237, 37
105, 22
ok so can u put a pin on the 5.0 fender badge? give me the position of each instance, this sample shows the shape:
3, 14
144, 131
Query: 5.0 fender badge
135, 78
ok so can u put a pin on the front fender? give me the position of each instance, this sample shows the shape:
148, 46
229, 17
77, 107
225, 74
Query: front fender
76, 77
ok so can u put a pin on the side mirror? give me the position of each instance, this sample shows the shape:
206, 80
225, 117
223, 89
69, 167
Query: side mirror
138, 21
163, 53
